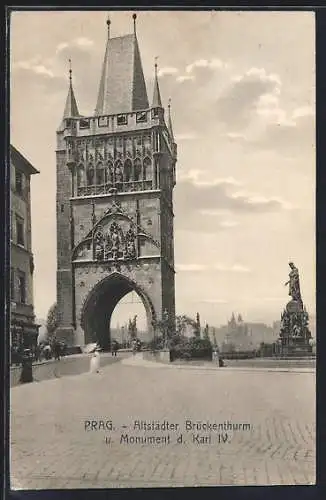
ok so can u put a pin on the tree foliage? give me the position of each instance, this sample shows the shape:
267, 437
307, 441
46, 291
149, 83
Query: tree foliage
206, 332
52, 320
132, 327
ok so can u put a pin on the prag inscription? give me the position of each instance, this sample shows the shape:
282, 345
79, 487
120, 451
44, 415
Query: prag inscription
147, 432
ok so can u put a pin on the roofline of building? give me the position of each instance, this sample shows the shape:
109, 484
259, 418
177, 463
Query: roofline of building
21, 157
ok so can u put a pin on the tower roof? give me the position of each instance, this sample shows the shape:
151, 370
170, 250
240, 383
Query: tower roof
170, 128
71, 108
122, 86
157, 101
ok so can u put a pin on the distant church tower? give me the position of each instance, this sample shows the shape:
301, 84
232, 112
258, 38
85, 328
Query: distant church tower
115, 180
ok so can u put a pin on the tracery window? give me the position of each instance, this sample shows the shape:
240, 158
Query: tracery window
118, 172
137, 169
128, 170
109, 173
80, 176
100, 174
147, 169
90, 175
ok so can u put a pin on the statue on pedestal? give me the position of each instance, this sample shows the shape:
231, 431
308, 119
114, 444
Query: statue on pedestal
294, 283
294, 332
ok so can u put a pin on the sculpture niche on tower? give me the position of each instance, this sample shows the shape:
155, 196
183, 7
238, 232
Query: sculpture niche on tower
295, 335
114, 244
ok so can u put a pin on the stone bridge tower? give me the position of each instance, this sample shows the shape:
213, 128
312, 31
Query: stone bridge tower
115, 180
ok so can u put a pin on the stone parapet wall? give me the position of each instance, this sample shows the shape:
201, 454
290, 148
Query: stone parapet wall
71, 365
159, 356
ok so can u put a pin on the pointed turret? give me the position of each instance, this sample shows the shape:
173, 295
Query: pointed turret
157, 101
71, 108
170, 128
122, 86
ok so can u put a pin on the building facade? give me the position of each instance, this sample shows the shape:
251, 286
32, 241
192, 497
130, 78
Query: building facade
115, 180
24, 331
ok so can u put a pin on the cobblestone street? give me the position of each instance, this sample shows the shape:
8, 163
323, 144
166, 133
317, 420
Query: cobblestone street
51, 449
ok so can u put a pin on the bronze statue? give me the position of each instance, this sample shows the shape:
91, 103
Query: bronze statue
294, 283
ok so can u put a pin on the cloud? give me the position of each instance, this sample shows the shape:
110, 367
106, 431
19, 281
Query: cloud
303, 111
215, 207
205, 63
167, 71
259, 74
52, 67
191, 267
251, 106
81, 42
228, 223
212, 301
35, 66
186, 137
234, 268
61, 46
235, 135
197, 177
253, 199
238, 103
219, 206
184, 78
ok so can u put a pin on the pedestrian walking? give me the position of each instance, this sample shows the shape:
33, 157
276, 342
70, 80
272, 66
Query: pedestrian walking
115, 348
95, 360
56, 349
47, 351
37, 353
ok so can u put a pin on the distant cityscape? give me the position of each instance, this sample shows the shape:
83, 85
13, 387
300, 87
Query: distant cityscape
240, 334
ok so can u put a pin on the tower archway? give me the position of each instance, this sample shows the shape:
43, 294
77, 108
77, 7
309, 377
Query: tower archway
100, 303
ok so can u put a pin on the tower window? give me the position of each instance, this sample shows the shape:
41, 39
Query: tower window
84, 123
19, 182
20, 230
103, 121
62, 208
22, 287
155, 112
122, 119
141, 117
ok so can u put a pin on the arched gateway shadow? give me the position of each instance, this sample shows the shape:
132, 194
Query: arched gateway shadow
101, 302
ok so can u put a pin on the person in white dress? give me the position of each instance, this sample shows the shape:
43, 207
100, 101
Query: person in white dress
95, 361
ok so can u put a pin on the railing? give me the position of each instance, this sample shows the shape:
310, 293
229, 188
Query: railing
123, 187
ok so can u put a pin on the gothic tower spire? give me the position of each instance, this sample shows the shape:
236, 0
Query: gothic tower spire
71, 108
170, 121
122, 86
157, 102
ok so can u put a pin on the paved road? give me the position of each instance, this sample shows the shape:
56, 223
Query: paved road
51, 449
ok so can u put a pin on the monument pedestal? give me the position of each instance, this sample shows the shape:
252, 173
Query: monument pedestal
295, 335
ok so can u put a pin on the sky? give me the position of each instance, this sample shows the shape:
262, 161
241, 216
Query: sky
242, 89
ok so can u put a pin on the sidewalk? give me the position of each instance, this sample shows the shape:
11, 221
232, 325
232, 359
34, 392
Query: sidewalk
137, 360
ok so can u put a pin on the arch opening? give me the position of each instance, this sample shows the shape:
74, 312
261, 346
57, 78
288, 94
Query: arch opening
129, 311
96, 317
